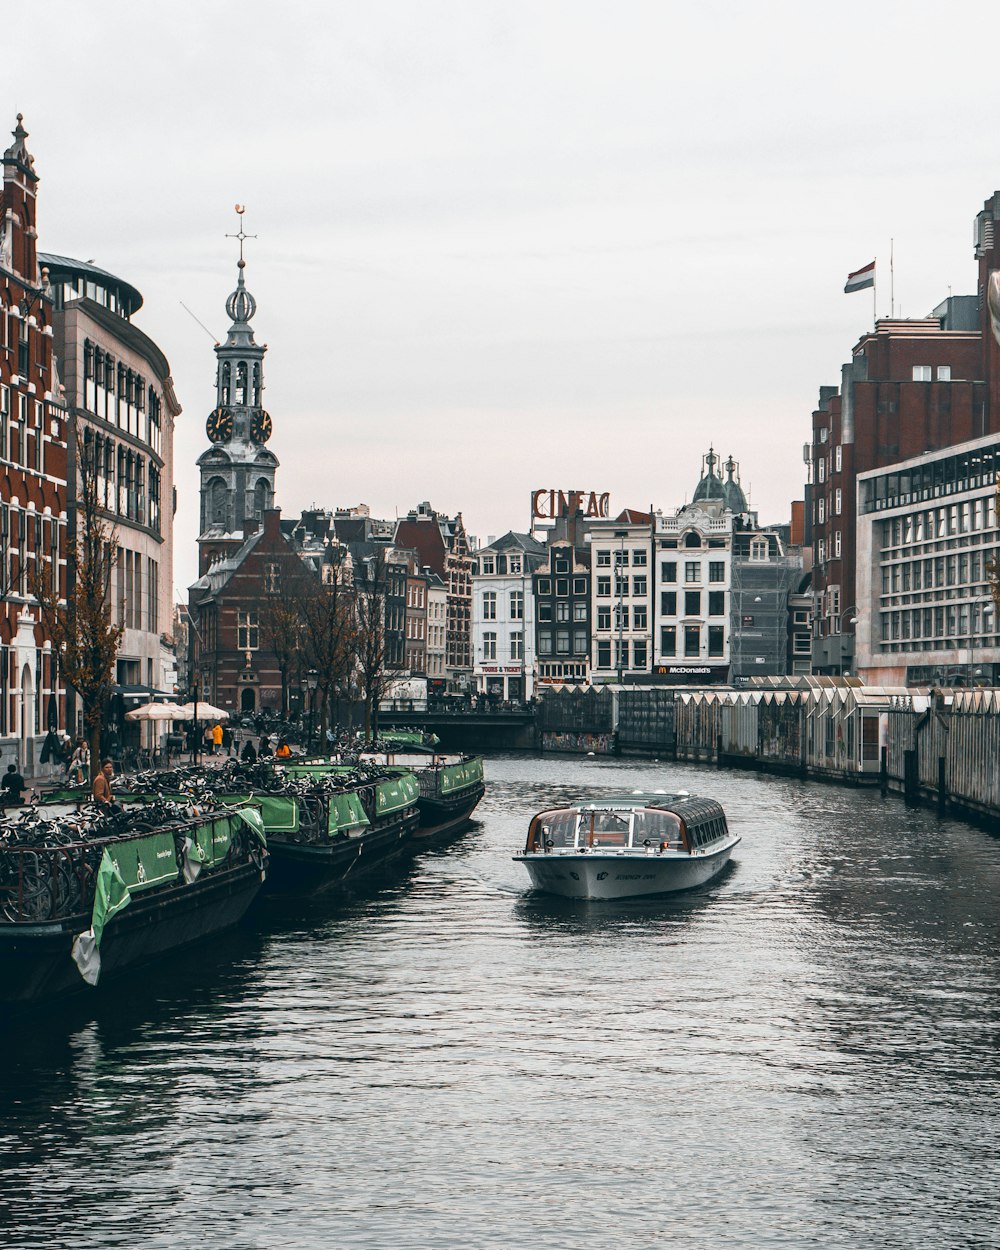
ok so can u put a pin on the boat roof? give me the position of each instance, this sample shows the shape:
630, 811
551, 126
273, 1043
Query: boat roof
690, 806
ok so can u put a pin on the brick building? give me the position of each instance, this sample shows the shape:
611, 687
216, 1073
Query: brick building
33, 510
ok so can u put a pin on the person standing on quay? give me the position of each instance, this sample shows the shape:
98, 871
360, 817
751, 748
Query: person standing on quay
216, 738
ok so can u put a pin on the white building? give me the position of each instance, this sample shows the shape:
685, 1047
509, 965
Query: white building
503, 622
926, 531
621, 598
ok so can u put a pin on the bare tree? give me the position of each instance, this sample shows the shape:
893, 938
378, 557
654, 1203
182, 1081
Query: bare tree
325, 610
81, 625
371, 584
281, 622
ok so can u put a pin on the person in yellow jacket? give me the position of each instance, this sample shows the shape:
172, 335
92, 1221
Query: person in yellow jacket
216, 739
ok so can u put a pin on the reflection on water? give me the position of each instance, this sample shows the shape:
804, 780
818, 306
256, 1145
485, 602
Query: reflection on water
804, 1053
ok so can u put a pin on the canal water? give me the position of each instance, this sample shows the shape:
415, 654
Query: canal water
805, 1054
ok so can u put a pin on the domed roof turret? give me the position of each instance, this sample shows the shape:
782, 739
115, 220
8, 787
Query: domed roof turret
710, 485
736, 500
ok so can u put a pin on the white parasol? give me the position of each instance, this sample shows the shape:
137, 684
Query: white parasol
205, 712
156, 711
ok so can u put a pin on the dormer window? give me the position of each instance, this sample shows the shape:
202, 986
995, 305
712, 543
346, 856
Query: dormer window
758, 549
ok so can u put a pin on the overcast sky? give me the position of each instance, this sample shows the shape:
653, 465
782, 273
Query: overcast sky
513, 246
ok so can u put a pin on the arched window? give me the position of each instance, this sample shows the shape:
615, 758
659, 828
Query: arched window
218, 503
261, 497
256, 386
691, 539
227, 382
241, 382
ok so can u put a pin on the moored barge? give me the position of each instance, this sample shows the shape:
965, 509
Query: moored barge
85, 897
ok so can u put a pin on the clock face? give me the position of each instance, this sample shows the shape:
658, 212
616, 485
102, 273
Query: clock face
219, 426
260, 428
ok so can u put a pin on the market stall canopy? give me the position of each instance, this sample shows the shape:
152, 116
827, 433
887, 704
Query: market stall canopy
205, 712
156, 711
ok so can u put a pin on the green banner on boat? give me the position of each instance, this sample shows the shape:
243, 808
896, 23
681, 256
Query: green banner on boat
279, 812
145, 862
211, 842
395, 793
411, 737
346, 813
111, 895
459, 776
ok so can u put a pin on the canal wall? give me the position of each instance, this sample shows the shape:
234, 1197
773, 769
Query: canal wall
931, 746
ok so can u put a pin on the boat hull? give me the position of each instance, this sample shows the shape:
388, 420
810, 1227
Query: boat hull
37, 957
623, 875
442, 817
311, 867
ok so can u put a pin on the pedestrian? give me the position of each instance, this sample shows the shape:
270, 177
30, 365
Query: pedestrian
284, 751
103, 794
248, 755
227, 741
216, 738
265, 746
78, 768
13, 785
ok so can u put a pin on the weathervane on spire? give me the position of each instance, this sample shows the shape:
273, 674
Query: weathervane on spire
241, 209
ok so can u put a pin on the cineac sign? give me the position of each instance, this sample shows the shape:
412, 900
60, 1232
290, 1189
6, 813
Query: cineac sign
548, 505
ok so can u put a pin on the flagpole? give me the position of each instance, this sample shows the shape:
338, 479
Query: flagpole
875, 295
892, 281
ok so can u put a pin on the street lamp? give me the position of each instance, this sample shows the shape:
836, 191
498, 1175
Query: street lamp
312, 682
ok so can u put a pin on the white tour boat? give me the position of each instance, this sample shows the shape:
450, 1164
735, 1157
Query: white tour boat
628, 845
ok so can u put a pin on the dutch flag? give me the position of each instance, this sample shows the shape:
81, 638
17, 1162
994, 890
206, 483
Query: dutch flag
860, 279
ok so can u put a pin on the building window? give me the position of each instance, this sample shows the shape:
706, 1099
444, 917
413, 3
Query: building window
562, 611
545, 612
692, 571
604, 587
545, 586
692, 603
639, 616
758, 547
838, 498
562, 642
692, 640
836, 544
272, 579
621, 653
621, 557
668, 640
639, 586
716, 571
838, 458
247, 631
488, 564
544, 642
604, 559
921, 373
604, 617
580, 610
579, 585
944, 373
489, 645
621, 616
716, 640
514, 563
668, 602
579, 642
639, 653
639, 559
604, 655
489, 605
668, 571
716, 603
517, 605
562, 585
517, 645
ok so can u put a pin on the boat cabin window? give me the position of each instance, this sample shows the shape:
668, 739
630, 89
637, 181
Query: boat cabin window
558, 828
706, 831
655, 827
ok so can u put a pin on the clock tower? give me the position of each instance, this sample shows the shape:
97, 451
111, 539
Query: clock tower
237, 471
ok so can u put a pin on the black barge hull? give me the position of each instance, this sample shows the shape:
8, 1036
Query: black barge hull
442, 817
37, 959
312, 868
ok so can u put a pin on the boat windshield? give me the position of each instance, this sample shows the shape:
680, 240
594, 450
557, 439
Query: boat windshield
608, 827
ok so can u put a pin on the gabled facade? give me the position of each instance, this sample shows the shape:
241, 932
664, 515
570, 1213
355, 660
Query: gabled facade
621, 598
503, 618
